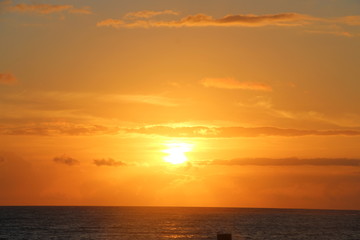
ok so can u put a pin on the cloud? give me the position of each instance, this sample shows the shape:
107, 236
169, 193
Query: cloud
285, 162
7, 79
336, 33
47, 8
71, 113
67, 100
68, 128
241, 20
149, 14
149, 99
66, 160
349, 20
141, 19
231, 83
307, 118
233, 132
115, 23
202, 20
57, 128
39, 8
109, 162
69, 109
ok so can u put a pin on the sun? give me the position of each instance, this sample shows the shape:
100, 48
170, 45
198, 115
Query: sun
176, 152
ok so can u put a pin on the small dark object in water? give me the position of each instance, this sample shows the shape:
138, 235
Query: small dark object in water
226, 236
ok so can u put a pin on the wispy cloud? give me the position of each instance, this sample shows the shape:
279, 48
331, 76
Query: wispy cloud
115, 23
285, 162
57, 128
349, 20
337, 33
239, 20
63, 105
64, 159
7, 79
55, 97
47, 8
149, 99
149, 14
39, 8
231, 83
203, 20
143, 19
266, 105
76, 129
71, 113
232, 132
109, 162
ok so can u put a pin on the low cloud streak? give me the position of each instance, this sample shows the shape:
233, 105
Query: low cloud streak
203, 20
47, 8
149, 14
57, 128
232, 132
150, 99
231, 83
143, 19
108, 162
115, 23
285, 162
73, 129
64, 159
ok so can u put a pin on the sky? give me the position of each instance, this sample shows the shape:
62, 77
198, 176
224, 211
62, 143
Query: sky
216, 103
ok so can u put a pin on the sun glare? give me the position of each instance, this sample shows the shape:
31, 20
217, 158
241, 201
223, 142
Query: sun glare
176, 152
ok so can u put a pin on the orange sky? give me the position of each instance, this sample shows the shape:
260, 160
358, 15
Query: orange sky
256, 101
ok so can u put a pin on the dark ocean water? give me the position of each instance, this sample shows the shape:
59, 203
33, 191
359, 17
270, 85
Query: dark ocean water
150, 223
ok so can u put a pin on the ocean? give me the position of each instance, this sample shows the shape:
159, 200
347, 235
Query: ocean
160, 223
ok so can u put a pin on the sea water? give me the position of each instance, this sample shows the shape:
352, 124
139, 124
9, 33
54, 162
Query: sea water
160, 223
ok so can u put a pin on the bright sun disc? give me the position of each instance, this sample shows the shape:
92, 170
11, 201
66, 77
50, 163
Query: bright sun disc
176, 152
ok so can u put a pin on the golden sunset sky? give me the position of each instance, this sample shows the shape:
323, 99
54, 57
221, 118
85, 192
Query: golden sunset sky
221, 103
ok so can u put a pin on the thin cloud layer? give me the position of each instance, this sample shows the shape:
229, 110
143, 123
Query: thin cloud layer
7, 79
47, 8
109, 162
57, 128
336, 33
54, 97
141, 19
240, 20
115, 23
66, 160
349, 20
149, 14
73, 129
203, 20
285, 162
39, 8
232, 132
150, 99
231, 83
